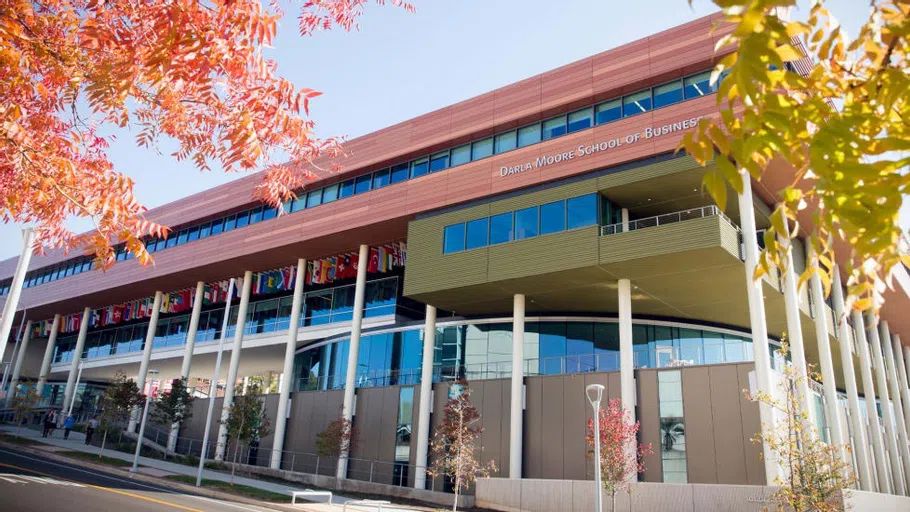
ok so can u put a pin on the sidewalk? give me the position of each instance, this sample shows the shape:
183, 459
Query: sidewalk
160, 468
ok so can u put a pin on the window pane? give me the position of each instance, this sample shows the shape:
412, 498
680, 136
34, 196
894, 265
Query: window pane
554, 127
506, 142
318, 307
460, 155
243, 219
668, 94
255, 215
347, 189
698, 85
314, 198
380, 178
476, 233
362, 184
330, 193
553, 217
230, 223
172, 240
439, 161
482, 148
192, 234
501, 228
529, 135
581, 120
526, 223
181, 237
582, 211
269, 213
299, 203
636, 103
609, 111
399, 173
453, 239
419, 167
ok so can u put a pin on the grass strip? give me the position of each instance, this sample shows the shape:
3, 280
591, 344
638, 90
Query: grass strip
91, 457
21, 441
240, 490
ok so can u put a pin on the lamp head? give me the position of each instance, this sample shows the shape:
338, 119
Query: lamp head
595, 393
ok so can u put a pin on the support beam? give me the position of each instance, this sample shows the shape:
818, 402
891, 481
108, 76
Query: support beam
350, 382
884, 396
516, 414
900, 423
146, 356
15, 288
902, 380
77, 356
875, 428
48, 355
287, 379
14, 379
234, 365
625, 219
188, 349
426, 391
626, 354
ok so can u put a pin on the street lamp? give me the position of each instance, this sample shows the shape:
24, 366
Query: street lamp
145, 415
594, 393
76, 387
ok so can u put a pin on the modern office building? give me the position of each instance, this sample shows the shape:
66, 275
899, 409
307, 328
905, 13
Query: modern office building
536, 239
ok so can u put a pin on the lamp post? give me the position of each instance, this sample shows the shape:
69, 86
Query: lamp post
594, 393
145, 415
76, 386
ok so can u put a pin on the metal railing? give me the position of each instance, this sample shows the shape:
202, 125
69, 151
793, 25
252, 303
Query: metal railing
660, 220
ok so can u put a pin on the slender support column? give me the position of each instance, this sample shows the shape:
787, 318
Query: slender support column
146, 357
188, 349
516, 416
14, 379
900, 422
626, 355
884, 395
426, 390
860, 439
48, 355
625, 219
903, 381
350, 382
284, 384
70, 390
15, 288
234, 365
826, 363
875, 428
759, 327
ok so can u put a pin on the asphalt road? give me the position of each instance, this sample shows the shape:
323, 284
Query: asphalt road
31, 483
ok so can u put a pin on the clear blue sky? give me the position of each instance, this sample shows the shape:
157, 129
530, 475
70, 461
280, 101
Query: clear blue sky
400, 65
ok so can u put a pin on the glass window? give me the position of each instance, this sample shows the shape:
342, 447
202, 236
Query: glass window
501, 228
362, 184
243, 219
205, 230
347, 189
529, 135
420, 167
171, 241
476, 233
554, 127
581, 119
609, 111
582, 211
318, 307
636, 103
439, 161
482, 148
255, 215
299, 203
314, 198
506, 141
698, 85
526, 223
380, 297
343, 304
553, 217
380, 178
181, 237
668, 94
399, 173
230, 223
460, 155
330, 193
269, 213
192, 234
453, 238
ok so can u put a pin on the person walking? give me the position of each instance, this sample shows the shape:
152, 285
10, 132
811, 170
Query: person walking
50, 422
68, 425
90, 429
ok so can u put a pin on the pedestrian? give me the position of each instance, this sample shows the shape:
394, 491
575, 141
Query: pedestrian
53, 422
68, 425
50, 421
90, 429
46, 424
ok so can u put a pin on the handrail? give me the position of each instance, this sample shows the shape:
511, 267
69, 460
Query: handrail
666, 218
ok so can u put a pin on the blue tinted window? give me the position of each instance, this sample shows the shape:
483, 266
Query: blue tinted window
506, 142
501, 228
255, 215
460, 155
171, 241
582, 211
477, 232
230, 223
529, 135
330, 193
269, 213
347, 189
243, 219
205, 230
399, 173
380, 178
419, 167
554, 127
181, 237
314, 198
439, 161
553, 217
581, 120
482, 149
363, 184
698, 85
609, 111
453, 239
636, 103
217, 226
668, 94
192, 234
526, 223
299, 203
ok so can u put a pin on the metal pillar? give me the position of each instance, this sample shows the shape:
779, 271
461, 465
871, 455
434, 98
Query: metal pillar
900, 422
426, 391
48, 355
350, 382
516, 414
146, 356
875, 428
15, 288
77, 356
188, 349
234, 365
287, 380
883, 394
14, 379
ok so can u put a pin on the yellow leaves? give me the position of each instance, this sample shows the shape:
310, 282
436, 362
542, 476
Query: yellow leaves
714, 183
788, 53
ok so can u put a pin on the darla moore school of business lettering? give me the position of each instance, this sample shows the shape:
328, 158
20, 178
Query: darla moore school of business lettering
589, 149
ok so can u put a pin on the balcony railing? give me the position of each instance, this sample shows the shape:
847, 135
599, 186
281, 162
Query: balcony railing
660, 220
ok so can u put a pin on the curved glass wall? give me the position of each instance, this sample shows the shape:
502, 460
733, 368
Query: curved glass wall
483, 350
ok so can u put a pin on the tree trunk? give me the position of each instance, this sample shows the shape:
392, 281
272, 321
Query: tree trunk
455, 502
103, 439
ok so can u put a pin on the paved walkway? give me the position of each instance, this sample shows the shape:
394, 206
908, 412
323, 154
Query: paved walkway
158, 468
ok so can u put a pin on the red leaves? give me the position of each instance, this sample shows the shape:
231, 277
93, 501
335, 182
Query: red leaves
622, 457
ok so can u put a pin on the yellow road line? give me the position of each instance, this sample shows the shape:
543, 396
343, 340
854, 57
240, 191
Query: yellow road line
108, 489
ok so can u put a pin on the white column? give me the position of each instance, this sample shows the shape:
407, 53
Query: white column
14, 379
900, 423
826, 364
146, 357
902, 380
15, 288
287, 376
234, 365
350, 381
188, 349
875, 428
48, 355
759, 327
860, 439
625, 219
516, 414
426, 391
626, 354
77, 356
883, 394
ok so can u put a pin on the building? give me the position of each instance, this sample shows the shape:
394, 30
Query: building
555, 211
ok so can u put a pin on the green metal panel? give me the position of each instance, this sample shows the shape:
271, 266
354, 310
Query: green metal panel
544, 254
647, 172
659, 240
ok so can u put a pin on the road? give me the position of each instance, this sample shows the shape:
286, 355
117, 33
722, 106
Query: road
32, 483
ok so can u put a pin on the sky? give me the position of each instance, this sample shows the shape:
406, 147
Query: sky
400, 65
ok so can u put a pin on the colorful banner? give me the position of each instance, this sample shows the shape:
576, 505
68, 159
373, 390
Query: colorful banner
344, 266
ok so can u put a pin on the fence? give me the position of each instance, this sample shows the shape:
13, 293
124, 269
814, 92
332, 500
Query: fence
660, 220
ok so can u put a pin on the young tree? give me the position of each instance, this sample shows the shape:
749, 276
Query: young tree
23, 406
192, 72
453, 444
120, 397
247, 421
838, 118
621, 455
339, 437
173, 407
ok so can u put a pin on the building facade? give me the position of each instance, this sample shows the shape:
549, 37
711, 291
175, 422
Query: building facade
533, 240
